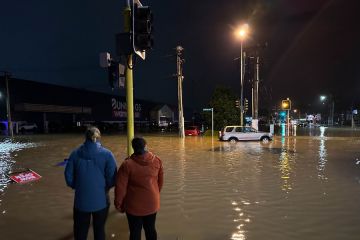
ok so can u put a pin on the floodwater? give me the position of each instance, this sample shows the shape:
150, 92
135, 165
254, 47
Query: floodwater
296, 187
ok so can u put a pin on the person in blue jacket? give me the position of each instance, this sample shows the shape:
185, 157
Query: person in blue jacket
90, 171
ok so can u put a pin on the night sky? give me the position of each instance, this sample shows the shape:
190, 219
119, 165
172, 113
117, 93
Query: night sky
313, 47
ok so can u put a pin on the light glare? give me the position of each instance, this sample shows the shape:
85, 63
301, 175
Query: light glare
242, 31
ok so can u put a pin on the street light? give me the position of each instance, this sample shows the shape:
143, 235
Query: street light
241, 33
324, 98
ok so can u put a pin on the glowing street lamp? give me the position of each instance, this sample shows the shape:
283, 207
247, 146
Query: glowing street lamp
241, 33
322, 98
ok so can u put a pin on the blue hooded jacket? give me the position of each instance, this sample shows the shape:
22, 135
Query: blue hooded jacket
91, 171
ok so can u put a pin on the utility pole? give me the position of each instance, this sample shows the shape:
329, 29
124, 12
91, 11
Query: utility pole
256, 90
180, 77
242, 85
255, 95
129, 83
8, 110
332, 107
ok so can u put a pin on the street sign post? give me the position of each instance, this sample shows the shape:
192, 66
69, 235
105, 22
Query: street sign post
212, 119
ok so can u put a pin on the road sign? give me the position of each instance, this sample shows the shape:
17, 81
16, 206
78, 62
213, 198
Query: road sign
25, 176
207, 109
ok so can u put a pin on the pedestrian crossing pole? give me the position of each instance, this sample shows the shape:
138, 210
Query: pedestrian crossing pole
129, 83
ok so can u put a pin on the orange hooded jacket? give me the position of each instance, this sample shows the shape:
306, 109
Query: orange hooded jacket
138, 184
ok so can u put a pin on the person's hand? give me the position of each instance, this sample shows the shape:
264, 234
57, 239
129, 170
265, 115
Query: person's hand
119, 207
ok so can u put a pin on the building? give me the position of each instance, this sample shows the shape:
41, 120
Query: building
162, 115
56, 108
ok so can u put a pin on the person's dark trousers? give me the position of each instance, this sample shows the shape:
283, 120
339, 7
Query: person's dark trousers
136, 223
82, 223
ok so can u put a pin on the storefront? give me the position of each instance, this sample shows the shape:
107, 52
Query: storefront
56, 108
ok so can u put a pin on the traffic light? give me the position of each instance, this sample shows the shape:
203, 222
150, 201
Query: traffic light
246, 105
237, 103
112, 76
115, 75
282, 114
286, 104
142, 20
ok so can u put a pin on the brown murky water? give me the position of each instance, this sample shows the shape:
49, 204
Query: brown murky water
299, 187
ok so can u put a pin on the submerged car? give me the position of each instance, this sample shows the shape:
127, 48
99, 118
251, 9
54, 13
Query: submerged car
243, 133
192, 131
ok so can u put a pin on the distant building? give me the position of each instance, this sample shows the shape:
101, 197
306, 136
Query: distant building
162, 115
57, 108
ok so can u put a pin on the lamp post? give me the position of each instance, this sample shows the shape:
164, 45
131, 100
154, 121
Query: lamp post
331, 105
241, 33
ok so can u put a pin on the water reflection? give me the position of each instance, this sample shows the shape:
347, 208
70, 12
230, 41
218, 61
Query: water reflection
285, 167
239, 234
7, 147
181, 186
322, 155
283, 130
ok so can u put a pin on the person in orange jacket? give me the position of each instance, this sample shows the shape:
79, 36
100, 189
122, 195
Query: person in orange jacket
137, 190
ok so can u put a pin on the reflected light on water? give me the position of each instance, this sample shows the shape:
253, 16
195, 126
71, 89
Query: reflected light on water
239, 234
322, 131
285, 167
322, 155
294, 130
6, 162
283, 130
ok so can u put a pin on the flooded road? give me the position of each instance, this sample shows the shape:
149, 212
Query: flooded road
298, 187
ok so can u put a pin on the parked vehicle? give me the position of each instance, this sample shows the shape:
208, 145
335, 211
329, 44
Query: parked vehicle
192, 131
25, 126
243, 133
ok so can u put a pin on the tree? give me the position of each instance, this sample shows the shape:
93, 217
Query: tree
225, 111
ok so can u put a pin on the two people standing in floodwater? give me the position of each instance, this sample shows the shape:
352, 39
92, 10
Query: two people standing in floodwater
91, 172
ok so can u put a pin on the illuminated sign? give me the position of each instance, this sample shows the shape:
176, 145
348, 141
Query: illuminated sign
119, 109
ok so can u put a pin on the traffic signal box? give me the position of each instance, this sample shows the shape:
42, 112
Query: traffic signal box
237, 103
246, 105
115, 74
142, 28
140, 38
286, 104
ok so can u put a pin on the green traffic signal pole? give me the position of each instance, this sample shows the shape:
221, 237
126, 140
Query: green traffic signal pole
129, 84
